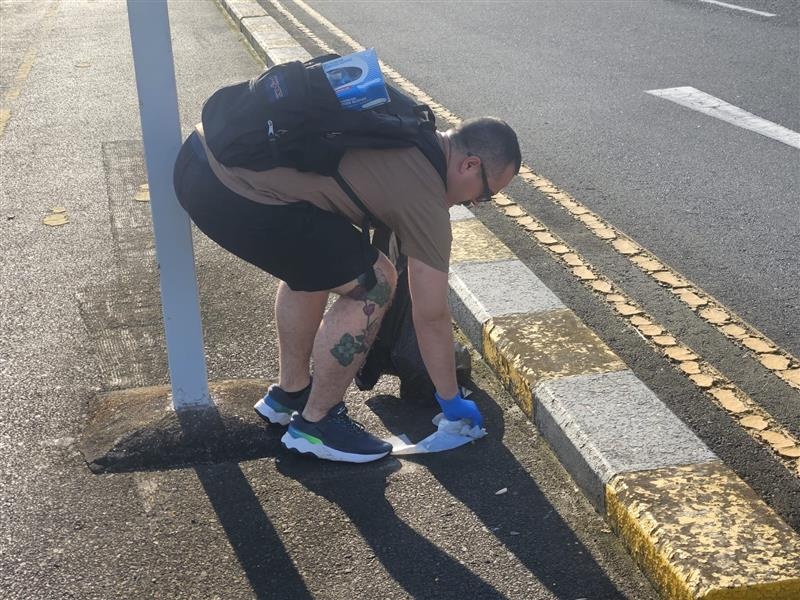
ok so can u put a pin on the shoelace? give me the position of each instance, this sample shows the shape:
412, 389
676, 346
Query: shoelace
348, 422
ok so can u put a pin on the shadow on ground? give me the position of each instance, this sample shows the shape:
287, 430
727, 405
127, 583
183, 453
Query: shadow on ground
524, 521
259, 549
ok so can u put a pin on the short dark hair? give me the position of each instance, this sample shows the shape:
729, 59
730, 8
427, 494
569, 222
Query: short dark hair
490, 138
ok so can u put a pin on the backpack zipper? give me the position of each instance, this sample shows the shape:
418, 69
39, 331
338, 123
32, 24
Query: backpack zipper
273, 139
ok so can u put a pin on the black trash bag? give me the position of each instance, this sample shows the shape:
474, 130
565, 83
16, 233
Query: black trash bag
395, 350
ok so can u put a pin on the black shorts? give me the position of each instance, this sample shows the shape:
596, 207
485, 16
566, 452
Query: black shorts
309, 248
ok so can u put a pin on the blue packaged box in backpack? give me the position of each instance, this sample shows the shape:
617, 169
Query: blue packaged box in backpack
357, 80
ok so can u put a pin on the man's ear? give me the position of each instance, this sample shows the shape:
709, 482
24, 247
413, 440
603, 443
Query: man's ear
469, 163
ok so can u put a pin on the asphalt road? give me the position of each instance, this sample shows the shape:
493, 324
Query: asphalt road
716, 202
80, 315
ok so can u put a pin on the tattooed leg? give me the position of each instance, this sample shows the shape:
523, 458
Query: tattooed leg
376, 299
347, 331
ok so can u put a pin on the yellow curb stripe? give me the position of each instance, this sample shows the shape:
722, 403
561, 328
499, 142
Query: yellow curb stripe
5, 115
525, 349
12, 94
22, 75
26, 66
698, 531
702, 303
506, 369
473, 242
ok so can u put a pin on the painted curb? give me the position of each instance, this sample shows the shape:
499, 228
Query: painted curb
582, 417
242, 9
694, 527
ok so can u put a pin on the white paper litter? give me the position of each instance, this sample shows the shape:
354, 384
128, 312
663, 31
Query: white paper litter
448, 435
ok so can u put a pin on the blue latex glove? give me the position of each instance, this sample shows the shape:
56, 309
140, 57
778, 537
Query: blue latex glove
458, 408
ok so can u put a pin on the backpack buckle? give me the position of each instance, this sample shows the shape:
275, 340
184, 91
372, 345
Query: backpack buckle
425, 116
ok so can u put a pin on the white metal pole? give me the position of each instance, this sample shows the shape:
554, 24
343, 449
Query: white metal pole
161, 132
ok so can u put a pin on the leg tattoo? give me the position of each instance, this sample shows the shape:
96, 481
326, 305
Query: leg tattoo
347, 348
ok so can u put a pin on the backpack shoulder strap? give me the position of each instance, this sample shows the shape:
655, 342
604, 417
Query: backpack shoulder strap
369, 218
428, 141
369, 221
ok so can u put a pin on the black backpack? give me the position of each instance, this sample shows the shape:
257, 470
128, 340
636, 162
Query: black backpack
289, 116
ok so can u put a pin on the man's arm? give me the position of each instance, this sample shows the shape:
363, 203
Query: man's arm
432, 322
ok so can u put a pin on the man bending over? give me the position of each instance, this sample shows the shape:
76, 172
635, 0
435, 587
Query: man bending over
299, 227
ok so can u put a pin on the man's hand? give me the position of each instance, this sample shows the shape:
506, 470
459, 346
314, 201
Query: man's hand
457, 408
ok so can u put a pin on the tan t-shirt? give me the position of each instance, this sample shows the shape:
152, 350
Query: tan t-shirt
398, 186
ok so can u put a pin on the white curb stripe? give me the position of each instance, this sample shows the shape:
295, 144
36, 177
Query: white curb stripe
710, 105
506, 287
481, 291
467, 311
604, 424
460, 213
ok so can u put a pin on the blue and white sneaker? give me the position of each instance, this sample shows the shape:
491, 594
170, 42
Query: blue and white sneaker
335, 437
278, 407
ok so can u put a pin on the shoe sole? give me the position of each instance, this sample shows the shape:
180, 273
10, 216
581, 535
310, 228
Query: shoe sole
303, 446
270, 415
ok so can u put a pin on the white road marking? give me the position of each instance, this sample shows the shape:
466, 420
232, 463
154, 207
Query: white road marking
742, 8
710, 105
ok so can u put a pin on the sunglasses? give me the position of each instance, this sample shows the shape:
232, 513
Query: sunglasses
487, 193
